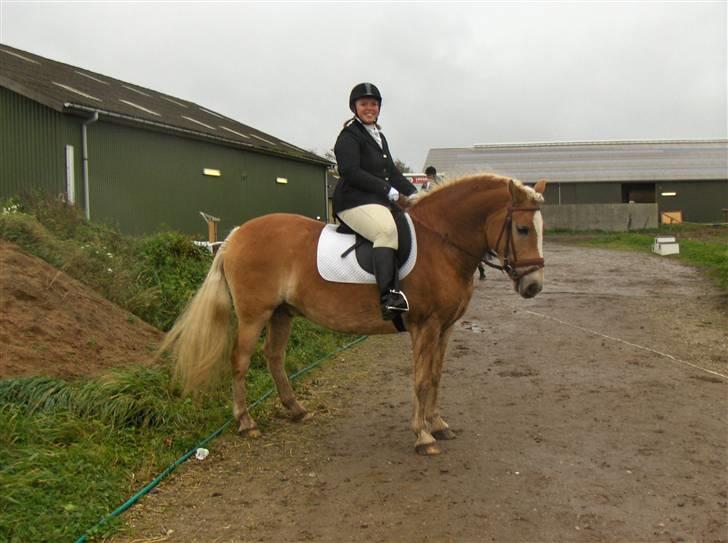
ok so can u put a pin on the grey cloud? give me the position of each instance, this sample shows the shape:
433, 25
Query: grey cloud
452, 74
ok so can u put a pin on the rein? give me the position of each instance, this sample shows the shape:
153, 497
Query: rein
510, 264
445, 238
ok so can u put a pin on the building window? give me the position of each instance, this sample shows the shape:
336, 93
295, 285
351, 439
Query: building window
638, 193
70, 176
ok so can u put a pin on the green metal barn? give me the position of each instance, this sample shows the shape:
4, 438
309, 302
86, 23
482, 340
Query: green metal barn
139, 159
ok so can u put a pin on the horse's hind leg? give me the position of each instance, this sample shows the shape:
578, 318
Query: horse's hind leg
248, 333
279, 329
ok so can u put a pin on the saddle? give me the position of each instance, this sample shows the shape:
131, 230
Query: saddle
363, 247
343, 256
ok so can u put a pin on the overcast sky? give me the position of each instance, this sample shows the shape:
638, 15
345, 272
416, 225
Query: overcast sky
452, 74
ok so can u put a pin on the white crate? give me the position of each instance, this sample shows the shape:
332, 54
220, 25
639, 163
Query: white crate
665, 245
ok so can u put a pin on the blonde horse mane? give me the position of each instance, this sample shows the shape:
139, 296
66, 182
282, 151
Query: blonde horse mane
527, 192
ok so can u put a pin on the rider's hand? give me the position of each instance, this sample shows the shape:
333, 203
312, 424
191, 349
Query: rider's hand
404, 202
393, 195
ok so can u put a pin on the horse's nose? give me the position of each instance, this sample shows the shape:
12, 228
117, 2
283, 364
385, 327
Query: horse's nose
532, 289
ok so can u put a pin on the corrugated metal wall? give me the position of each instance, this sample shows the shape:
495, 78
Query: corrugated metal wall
699, 201
583, 193
144, 181
33, 145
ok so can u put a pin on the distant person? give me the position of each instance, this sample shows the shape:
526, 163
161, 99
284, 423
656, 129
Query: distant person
431, 181
487, 257
481, 270
369, 190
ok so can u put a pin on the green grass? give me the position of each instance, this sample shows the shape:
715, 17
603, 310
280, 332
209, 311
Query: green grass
702, 246
73, 451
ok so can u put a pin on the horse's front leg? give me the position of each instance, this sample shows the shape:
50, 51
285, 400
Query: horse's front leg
424, 348
438, 427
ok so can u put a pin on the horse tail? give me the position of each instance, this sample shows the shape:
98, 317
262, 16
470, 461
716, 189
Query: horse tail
200, 338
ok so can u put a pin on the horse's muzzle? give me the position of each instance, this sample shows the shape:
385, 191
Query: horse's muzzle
530, 284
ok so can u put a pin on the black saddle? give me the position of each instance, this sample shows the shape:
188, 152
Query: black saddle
363, 246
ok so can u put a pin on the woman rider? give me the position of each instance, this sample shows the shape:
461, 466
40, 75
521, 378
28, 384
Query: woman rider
368, 191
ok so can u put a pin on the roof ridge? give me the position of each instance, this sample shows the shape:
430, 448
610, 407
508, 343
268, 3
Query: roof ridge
35, 80
600, 142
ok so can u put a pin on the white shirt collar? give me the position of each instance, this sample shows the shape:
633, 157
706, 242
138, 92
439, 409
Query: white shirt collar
373, 129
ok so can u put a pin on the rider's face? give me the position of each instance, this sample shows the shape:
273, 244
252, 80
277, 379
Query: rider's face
367, 109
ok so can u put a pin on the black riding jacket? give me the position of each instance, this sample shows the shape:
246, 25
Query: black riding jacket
367, 171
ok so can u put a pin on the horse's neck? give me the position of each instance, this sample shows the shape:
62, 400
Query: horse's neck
459, 213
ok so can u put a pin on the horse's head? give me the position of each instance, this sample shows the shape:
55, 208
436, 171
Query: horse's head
520, 242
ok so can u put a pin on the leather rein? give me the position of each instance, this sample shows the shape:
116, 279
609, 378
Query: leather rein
510, 264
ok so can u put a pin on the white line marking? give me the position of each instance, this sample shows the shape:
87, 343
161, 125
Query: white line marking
673, 358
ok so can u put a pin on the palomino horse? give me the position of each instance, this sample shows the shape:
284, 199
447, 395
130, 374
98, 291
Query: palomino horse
268, 267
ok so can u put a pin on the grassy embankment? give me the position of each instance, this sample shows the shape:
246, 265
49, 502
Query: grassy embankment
72, 451
702, 246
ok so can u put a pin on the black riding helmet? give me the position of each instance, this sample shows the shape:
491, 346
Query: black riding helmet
363, 90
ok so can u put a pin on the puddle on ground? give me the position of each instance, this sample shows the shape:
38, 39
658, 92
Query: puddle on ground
472, 326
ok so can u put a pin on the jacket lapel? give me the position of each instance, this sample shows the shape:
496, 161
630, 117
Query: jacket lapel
368, 137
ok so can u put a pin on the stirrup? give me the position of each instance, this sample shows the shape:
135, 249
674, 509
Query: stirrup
390, 311
406, 301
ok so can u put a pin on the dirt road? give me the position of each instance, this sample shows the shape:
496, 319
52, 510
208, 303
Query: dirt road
597, 411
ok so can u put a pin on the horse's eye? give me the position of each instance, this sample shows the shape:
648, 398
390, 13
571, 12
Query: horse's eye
523, 230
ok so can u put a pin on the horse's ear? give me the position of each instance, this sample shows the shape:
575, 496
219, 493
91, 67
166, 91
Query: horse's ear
540, 186
517, 195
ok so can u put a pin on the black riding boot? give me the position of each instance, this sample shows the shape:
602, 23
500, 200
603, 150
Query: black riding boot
392, 300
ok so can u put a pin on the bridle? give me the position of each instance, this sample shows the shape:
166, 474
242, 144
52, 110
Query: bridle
510, 264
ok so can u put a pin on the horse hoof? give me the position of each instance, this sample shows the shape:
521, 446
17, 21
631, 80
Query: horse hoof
252, 433
428, 449
302, 417
444, 434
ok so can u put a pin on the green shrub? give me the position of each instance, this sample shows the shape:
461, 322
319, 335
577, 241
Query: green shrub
152, 277
173, 268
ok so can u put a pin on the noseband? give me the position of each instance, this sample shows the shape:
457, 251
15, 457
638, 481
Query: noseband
510, 264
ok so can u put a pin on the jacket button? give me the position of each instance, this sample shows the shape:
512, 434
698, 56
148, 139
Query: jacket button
386, 178
384, 156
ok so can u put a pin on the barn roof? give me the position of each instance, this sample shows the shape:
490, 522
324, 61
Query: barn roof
69, 89
591, 161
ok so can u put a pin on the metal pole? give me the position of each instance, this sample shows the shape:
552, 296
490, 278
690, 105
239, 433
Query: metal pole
84, 139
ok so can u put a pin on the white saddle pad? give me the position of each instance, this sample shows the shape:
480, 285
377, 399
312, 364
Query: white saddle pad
332, 267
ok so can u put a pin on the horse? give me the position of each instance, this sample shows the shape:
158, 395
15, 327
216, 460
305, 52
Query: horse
266, 270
